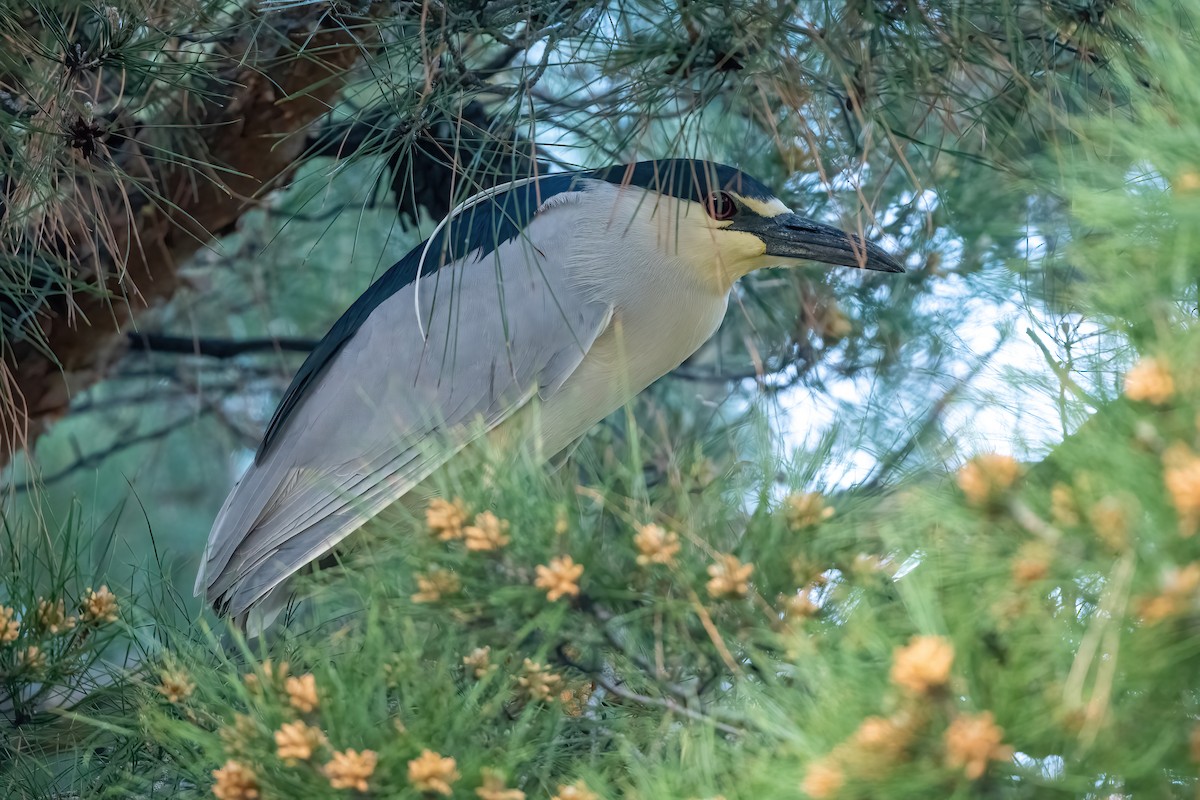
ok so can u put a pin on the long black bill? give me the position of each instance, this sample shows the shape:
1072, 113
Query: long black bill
792, 236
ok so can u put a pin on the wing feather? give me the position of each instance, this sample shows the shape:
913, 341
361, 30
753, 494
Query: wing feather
387, 408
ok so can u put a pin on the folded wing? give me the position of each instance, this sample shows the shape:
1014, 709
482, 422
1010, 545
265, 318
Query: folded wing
382, 407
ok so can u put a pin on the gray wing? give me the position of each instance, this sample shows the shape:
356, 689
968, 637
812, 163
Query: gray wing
390, 408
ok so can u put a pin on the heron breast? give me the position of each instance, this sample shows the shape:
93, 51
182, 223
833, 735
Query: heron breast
638, 347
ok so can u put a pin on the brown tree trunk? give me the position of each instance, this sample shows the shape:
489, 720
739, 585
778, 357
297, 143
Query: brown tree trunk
129, 236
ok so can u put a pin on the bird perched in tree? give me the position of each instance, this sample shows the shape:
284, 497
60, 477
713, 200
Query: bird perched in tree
533, 311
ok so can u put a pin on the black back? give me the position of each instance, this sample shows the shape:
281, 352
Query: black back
489, 224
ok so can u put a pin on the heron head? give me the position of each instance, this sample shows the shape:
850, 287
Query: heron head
724, 220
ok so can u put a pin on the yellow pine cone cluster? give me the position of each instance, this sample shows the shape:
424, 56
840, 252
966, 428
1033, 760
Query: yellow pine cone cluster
1032, 563
656, 545
823, 780
432, 772
1150, 381
296, 741
302, 693
923, 665
987, 477
478, 662
880, 742
1186, 182
1109, 517
575, 791
235, 781
52, 617
728, 577
10, 629
175, 685
351, 769
970, 743
435, 584
1180, 593
99, 606
876, 746
797, 606
446, 518
805, 509
487, 534
974, 740
538, 681
31, 658
494, 787
1182, 478
559, 578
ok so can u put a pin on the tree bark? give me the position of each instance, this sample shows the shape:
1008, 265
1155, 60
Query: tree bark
129, 236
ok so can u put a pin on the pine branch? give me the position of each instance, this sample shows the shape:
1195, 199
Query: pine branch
98, 457
155, 208
436, 158
214, 347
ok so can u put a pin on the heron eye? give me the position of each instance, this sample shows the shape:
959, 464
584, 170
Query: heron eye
721, 206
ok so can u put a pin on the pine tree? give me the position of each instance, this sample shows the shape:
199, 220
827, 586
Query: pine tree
899, 602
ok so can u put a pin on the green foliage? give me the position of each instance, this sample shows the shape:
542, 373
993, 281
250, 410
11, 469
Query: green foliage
75, 80
65, 641
1068, 610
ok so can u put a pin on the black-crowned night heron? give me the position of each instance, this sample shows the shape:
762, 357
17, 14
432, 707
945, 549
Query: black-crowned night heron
535, 310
